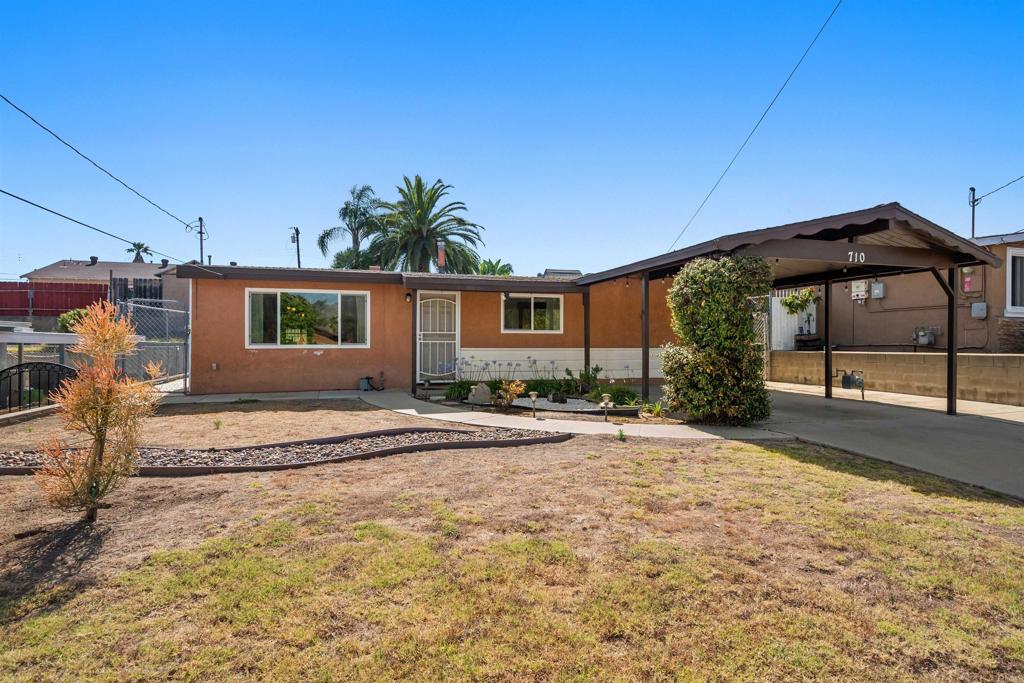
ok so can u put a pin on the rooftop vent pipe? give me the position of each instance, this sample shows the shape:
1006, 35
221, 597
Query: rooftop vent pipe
93, 260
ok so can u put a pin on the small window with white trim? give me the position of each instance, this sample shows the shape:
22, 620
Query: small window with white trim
307, 318
531, 313
1015, 281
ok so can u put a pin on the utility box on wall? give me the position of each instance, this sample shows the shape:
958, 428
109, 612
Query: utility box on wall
877, 290
859, 290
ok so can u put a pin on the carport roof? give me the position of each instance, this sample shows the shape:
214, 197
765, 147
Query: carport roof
883, 240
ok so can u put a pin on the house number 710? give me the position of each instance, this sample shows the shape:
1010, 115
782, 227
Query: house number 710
857, 256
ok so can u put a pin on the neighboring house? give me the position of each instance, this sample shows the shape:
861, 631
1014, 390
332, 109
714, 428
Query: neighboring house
288, 329
93, 270
908, 312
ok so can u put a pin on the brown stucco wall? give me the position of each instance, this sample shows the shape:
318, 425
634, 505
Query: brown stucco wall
218, 336
918, 301
615, 313
990, 377
481, 324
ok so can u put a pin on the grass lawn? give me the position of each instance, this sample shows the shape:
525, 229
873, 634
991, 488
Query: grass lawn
591, 560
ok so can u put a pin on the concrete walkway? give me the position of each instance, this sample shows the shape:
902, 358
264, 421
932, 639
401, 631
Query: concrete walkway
984, 448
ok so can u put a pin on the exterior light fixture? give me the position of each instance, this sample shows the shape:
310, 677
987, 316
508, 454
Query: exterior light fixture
606, 403
408, 297
533, 399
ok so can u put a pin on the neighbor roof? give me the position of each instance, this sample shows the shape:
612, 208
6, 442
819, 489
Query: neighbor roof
73, 269
1007, 238
886, 225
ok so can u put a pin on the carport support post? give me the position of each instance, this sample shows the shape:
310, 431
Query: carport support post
586, 329
414, 302
828, 338
951, 343
645, 336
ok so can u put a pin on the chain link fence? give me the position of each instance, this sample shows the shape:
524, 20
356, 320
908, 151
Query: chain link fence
164, 325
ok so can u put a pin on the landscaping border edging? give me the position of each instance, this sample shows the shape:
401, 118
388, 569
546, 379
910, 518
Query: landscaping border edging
198, 470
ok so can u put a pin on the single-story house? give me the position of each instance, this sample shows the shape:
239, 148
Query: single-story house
290, 329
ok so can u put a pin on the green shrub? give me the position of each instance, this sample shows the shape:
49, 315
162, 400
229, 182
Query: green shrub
67, 320
543, 386
458, 391
621, 396
715, 375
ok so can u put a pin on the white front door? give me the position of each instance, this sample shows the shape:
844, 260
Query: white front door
438, 336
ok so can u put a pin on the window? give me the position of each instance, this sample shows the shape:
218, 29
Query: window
1014, 281
307, 318
528, 313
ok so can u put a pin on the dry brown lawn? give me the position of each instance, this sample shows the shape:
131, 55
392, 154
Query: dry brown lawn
219, 425
589, 560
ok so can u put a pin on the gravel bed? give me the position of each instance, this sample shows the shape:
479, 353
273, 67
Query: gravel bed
286, 455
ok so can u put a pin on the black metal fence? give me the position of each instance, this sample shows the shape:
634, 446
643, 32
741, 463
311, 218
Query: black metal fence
29, 385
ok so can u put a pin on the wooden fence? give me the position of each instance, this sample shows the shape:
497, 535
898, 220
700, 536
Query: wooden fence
18, 299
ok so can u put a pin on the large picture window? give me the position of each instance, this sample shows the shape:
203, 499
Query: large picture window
1015, 281
307, 318
531, 313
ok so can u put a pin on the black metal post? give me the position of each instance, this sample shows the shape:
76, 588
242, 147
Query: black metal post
586, 329
973, 202
951, 342
645, 336
828, 338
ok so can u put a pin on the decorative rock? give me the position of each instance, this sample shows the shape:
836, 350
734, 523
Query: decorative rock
298, 453
480, 395
557, 397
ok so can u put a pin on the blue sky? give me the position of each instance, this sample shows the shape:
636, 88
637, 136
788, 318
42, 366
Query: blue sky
580, 135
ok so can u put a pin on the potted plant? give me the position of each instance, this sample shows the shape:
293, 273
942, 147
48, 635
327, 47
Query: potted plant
800, 303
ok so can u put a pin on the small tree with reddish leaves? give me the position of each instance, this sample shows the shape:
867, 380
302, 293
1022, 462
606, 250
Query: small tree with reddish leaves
106, 407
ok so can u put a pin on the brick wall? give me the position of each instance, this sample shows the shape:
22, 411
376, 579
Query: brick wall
990, 377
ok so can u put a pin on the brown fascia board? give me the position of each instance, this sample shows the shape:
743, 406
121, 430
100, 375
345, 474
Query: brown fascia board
496, 284
727, 243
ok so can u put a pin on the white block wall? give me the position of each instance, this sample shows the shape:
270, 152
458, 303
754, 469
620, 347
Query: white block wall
617, 363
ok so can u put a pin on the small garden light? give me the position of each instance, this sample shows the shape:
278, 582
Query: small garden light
533, 399
606, 403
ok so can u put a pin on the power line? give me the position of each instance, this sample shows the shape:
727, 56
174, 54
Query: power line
84, 225
756, 125
79, 153
1001, 187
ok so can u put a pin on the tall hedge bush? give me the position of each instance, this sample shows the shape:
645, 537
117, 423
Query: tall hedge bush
715, 374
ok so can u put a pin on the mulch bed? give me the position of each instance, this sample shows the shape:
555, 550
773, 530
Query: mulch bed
160, 461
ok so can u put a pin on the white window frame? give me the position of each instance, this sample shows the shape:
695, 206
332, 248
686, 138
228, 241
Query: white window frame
531, 297
300, 347
1011, 310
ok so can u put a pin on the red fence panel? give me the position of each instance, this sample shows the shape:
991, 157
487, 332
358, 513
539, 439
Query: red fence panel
47, 298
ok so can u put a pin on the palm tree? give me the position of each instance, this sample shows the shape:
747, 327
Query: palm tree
139, 248
410, 229
495, 267
359, 216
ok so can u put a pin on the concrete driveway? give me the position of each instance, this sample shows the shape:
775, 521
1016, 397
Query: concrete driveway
977, 450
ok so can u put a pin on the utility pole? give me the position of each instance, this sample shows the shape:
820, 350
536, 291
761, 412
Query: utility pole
973, 202
295, 241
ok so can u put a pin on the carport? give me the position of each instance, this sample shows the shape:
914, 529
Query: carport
879, 242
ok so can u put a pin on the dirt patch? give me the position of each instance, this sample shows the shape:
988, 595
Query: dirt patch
222, 425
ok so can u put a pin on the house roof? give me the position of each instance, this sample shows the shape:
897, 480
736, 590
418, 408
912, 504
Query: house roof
894, 228
73, 269
447, 281
1006, 238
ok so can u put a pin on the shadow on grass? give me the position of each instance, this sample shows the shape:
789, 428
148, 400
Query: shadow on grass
45, 568
924, 483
